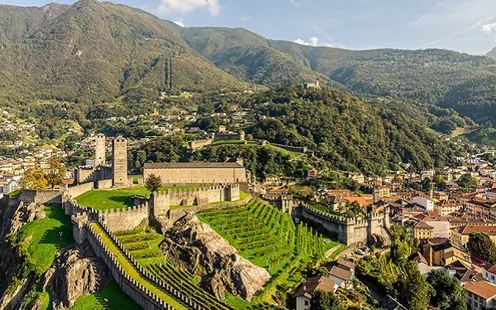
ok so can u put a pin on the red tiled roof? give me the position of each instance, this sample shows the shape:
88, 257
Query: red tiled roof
360, 200
340, 273
346, 263
468, 229
316, 283
484, 289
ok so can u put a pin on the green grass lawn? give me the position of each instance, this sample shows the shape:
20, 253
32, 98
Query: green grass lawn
43, 237
118, 198
15, 193
110, 297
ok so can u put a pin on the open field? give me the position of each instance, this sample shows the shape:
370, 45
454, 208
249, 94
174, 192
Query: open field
110, 297
268, 238
45, 237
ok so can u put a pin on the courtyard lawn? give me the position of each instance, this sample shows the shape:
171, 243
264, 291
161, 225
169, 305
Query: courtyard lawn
45, 237
110, 297
119, 198
111, 199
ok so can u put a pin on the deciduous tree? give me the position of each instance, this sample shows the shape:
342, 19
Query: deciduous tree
34, 178
413, 288
449, 295
55, 172
481, 245
153, 182
325, 301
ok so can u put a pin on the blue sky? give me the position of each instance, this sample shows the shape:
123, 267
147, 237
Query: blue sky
463, 25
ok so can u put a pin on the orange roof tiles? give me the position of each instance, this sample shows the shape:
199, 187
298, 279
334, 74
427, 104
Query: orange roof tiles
484, 289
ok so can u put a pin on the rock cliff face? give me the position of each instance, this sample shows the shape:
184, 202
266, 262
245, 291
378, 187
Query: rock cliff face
13, 215
193, 245
75, 272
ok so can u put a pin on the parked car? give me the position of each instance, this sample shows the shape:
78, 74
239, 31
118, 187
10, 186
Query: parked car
359, 252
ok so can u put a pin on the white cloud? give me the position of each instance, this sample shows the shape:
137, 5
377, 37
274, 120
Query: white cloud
314, 41
490, 29
179, 22
186, 6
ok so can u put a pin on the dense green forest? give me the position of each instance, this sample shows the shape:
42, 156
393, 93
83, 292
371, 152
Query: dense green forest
346, 132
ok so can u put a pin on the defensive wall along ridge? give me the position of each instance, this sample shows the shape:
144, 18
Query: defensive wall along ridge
142, 286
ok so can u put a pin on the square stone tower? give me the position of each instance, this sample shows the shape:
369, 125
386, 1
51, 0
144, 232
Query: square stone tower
119, 162
100, 150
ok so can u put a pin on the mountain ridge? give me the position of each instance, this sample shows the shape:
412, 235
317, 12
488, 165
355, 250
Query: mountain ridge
97, 51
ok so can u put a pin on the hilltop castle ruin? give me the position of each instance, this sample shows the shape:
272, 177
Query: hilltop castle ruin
114, 175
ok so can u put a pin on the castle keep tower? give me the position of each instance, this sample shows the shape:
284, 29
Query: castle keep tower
119, 162
100, 150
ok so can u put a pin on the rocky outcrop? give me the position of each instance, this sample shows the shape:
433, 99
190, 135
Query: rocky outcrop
193, 245
75, 272
14, 214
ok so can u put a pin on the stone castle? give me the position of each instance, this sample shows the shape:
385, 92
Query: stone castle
106, 176
115, 175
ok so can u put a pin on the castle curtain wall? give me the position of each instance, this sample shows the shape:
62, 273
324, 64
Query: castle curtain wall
181, 176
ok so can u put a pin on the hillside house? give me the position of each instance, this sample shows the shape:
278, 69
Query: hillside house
305, 292
342, 273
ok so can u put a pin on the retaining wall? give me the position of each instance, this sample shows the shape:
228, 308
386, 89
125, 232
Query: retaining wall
41, 197
104, 184
124, 219
77, 190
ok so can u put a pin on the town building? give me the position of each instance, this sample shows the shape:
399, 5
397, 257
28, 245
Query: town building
342, 273
305, 292
480, 295
460, 235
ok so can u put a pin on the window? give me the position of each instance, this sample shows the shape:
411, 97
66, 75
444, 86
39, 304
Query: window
306, 302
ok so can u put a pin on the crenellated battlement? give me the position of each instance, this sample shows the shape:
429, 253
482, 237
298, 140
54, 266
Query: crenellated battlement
356, 230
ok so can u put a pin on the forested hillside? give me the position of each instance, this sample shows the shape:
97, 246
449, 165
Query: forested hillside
94, 52
439, 77
346, 132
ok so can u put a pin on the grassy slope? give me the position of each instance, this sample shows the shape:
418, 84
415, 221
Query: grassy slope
109, 298
266, 237
485, 136
44, 239
128, 267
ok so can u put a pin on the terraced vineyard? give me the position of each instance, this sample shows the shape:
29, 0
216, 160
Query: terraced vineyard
144, 246
268, 238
